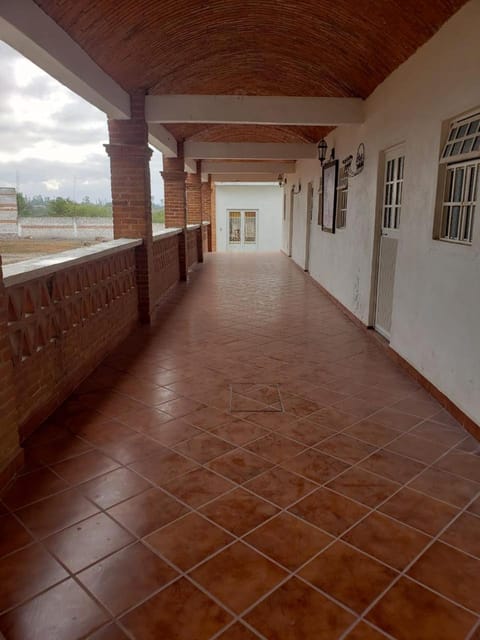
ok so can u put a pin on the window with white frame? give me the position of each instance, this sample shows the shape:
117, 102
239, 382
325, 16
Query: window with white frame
342, 197
459, 178
320, 203
392, 199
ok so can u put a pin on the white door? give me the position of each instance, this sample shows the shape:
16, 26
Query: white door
391, 217
309, 225
290, 225
242, 230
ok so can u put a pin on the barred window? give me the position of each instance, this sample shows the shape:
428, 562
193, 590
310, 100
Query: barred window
342, 198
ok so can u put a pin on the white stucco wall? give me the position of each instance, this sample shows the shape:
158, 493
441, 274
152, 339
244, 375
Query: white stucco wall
266, 199
436, 307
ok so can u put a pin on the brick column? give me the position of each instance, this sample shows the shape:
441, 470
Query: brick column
194, 198
207, 208
131, 197
11, 454
174, 179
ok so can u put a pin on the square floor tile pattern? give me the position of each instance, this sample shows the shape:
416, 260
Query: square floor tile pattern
352, 433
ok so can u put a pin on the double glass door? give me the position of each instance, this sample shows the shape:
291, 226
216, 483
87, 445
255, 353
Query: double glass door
242, 229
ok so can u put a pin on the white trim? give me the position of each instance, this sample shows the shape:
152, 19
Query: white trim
212, 166
162, 140
250, 150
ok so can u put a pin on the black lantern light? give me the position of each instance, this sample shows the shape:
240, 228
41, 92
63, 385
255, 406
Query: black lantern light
322, 151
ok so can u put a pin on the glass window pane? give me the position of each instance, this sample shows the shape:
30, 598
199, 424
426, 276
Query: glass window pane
445, 222
453, 133
455, 215
458, 185
473, 127
466, 227
234, 227
467, 145
456, 148
449, 186
250, 227
476, 144
462, 131
400, 168
447, 151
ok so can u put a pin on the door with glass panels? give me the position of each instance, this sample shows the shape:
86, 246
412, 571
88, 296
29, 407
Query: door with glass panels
391, 218
242, 230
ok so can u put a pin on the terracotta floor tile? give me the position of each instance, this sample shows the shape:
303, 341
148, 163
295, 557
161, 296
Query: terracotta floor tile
438, 433
105, 433
417, 448
315, 465
59, 449
88, 541
33, 486
239, 511
273, 420
57, 512
173, 432
207, 418
288, 540
421, 408
198, 487
84, 467
114, 487
64, 612
450, 572
239, 431
180, 407
363, 486
275, 448
364, 631
25, 573
410, 612
348, 449
475, 507
445, 486
329, 511
332, 418
188, 541
305, 431
295, 611
204, 447
148, 511
238, 632
132, 449
298, 406
280, 486
371, 432
395, 419
239, 465
389, 541
357, 407
464, 534
13, 535
392, 466
419, 511
238, 576
462, 464
348, 575
127, 577
159, 617
143, 419
164, 467
110, 632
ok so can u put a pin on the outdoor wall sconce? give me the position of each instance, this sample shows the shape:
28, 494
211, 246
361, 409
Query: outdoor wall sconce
359, 162
295, 193
322, 151
282, 180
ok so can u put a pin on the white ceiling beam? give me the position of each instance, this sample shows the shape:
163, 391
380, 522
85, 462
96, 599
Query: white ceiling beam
213, 166
162, 140
26, 28
268, 110
190, 166
245, 177
250, 150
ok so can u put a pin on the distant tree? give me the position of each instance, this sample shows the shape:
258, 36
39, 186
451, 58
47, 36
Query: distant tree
24, 206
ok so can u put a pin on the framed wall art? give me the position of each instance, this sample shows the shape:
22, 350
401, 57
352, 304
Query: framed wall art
329, 180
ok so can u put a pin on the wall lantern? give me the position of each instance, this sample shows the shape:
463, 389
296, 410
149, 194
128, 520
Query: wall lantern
282, 180
322, 151
298, 189
359, 162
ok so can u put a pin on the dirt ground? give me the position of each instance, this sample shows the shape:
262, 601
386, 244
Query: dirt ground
17, 249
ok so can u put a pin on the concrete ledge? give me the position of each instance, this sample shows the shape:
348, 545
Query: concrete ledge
167, 233
20, 272
192, 227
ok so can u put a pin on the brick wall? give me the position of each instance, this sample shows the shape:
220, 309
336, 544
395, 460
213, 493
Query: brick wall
192, 246
62, 325
166, 264
10, 454
174, 178
194, 198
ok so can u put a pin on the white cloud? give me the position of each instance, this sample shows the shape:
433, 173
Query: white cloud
51, 140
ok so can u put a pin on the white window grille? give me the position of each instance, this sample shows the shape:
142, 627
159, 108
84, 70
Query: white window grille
320, 203
342, 198
460, 167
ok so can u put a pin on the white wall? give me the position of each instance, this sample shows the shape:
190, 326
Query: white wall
267, 199
436, 308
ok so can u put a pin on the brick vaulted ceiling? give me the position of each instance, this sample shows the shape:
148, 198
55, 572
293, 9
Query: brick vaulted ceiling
250, 47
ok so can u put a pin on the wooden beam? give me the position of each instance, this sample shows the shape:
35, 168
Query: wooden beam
269, 110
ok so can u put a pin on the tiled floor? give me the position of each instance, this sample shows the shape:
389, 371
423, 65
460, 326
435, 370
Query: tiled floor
324, 496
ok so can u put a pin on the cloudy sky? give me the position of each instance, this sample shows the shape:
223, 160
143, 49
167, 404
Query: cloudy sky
51, 140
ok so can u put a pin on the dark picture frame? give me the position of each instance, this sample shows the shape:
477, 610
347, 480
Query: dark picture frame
329, 195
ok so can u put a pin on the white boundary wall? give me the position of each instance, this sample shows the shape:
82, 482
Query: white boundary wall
436, 306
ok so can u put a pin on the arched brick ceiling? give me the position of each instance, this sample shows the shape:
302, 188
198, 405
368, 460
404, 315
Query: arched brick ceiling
247, 133
251, 47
